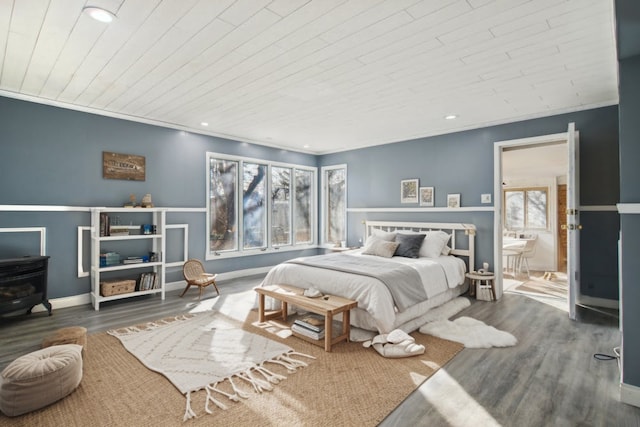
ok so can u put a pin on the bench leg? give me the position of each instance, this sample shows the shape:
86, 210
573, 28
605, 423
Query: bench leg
346, 324
328, 331
261, 316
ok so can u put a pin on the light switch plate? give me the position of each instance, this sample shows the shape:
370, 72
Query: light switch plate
485, 198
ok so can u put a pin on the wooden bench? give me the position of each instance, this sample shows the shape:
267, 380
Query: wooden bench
327, 306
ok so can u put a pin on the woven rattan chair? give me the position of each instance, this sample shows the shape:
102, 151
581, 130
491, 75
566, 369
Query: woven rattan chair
194, 274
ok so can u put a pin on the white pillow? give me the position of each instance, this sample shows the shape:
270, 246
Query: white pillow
435, 244
379, 247
384, 235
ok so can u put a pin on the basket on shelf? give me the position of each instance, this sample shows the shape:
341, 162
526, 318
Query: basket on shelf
117, 287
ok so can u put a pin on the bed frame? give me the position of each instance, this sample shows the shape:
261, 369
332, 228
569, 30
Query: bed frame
458, 231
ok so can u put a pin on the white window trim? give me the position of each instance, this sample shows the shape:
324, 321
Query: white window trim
240, 251
550, 203
323, 203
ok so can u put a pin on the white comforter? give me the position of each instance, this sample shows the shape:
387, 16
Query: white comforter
438, 276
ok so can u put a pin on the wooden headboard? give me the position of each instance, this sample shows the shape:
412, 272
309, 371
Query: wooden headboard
458, 231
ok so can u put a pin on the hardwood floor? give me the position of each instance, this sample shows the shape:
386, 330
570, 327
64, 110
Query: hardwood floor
549, 379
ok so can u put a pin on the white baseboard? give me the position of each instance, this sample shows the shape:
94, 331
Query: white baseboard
83, 299
598, 302
630, 394
65, 302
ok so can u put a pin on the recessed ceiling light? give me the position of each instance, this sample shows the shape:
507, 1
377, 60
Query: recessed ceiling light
204, 124
99, 14
306, 146
450, 117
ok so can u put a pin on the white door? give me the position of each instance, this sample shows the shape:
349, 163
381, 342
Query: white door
573, 220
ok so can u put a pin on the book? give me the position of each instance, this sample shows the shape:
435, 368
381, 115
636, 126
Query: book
118, 231
313, 323
307, 332
148, 281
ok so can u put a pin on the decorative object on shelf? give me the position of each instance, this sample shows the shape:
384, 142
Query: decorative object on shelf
132, 201
453, 200
146, 201
123, 166
148, 229
108, 259
426, 196
409, 191
117, 287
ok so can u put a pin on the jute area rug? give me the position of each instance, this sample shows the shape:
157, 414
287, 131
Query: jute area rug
351, 386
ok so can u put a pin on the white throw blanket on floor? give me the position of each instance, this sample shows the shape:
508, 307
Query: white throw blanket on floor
197, 353
470, 332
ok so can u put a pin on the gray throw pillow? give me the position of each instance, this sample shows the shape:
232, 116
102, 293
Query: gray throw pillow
409, 245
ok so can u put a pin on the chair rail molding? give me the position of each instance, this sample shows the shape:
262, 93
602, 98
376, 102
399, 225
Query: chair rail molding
629, 208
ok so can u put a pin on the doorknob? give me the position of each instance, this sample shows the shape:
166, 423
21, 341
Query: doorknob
571, 227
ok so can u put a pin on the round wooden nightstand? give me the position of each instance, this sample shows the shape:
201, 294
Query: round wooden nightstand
480, 281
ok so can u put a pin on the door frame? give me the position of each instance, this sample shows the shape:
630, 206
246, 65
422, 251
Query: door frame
498, 208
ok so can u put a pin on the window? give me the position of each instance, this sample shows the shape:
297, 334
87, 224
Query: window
280, 206
334, 204
254, 205
526, 208
303, 206
269, 218
222, 207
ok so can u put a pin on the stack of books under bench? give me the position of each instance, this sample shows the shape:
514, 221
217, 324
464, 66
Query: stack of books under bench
326, 305
309, 326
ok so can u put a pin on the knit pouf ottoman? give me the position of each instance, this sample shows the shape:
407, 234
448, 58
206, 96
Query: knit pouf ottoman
70, 335
38, 379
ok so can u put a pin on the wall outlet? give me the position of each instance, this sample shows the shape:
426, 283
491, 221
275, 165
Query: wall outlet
485, 198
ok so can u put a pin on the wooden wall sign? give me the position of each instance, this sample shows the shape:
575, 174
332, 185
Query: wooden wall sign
123, 166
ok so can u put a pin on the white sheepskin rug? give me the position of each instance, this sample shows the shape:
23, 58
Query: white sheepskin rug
470, 332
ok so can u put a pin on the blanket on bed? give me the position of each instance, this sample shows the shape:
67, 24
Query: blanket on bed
403, 281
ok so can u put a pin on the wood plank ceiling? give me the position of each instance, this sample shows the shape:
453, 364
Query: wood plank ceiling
315, 76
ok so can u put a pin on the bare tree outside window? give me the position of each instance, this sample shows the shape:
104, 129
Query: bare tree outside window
280, 206
526, 209
335, 205
254, 205
222, 205
303, 206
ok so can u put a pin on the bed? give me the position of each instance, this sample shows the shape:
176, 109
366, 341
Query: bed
392, 291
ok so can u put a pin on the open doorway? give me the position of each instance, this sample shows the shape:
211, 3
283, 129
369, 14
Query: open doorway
534, 200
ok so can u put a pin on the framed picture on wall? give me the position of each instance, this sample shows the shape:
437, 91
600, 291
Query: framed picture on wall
453, 200
123, 166
409, 191
426, 196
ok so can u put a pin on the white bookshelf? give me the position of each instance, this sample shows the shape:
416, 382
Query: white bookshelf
154, 243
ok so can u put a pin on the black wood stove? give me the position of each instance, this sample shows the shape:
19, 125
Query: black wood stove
23, 284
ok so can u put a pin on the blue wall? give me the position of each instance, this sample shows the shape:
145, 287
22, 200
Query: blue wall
53, 156
463, 163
